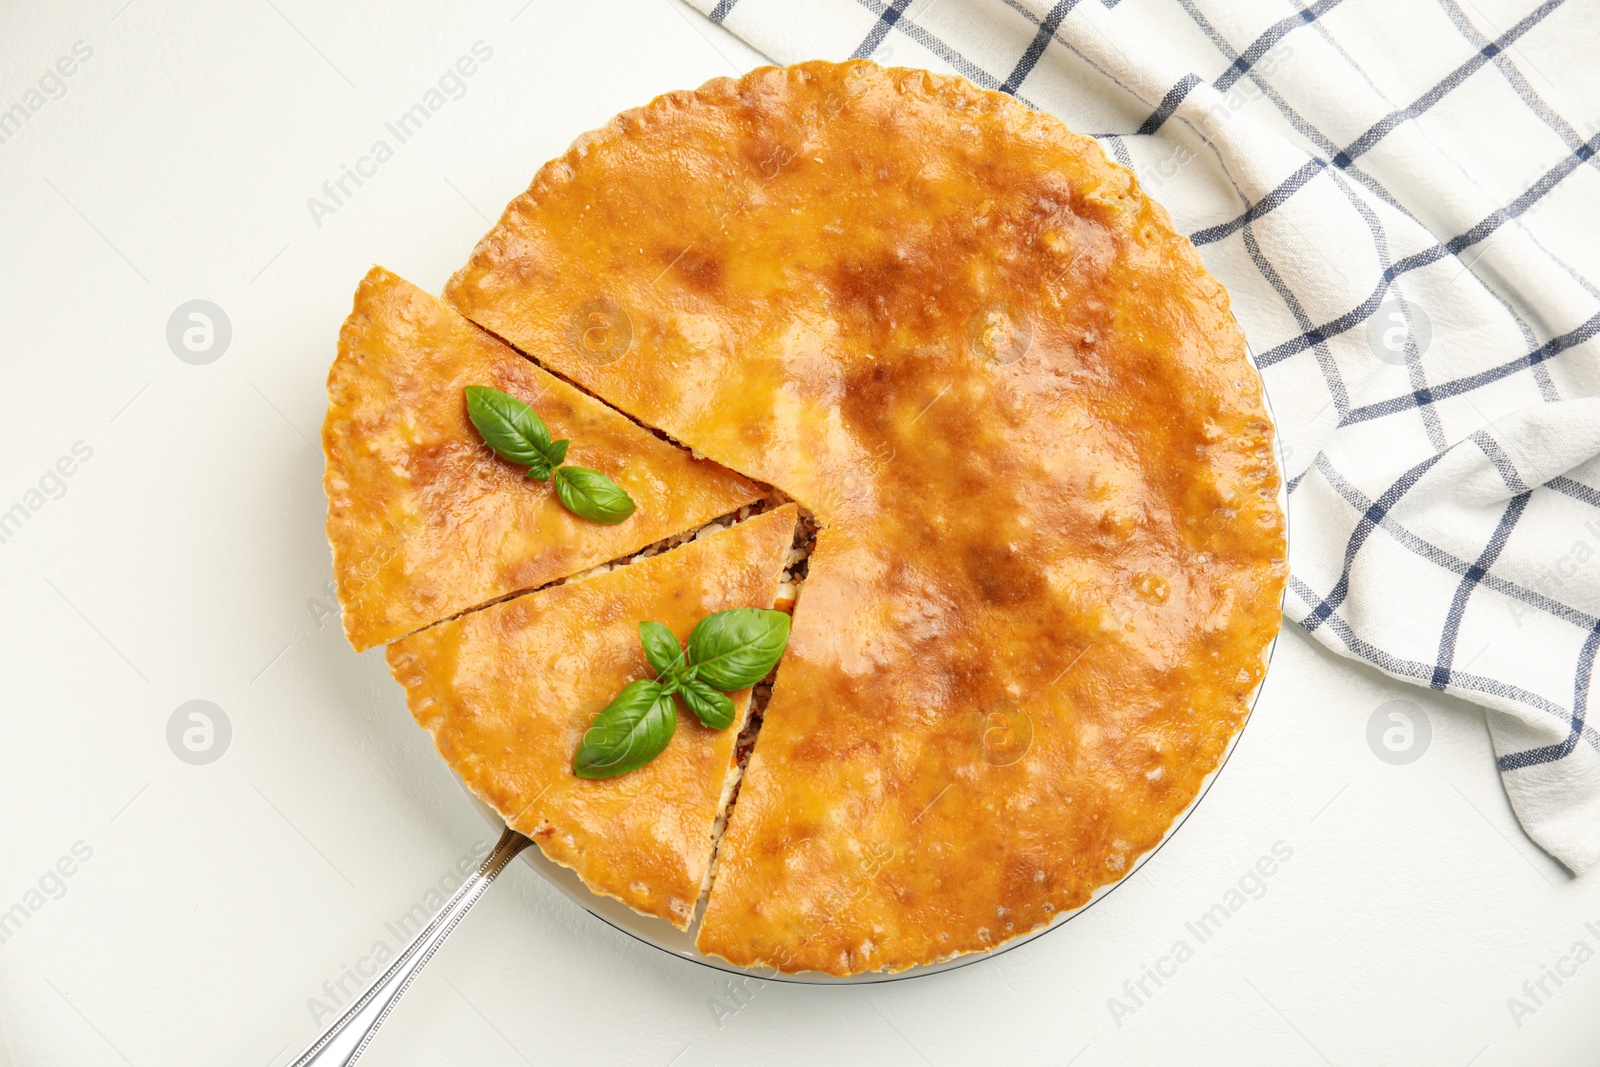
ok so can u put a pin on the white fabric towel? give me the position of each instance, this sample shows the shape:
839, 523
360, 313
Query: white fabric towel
1401, 197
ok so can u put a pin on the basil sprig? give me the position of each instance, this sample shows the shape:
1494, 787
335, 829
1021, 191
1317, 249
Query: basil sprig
728, 650
516, 432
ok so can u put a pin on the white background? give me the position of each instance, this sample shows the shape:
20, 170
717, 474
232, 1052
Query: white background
186, 560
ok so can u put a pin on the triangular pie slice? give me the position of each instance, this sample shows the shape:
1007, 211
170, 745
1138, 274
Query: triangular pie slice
424, 520
1052, 553
507, 693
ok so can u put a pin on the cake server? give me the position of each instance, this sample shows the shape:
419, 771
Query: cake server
350, 1034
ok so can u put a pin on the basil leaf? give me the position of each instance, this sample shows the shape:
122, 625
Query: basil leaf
709, 706
737, 648
631, 731
512, 429
539, 470
555, 453
661, 648
591, 495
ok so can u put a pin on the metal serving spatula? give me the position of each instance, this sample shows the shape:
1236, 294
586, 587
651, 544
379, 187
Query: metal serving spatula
344, 1042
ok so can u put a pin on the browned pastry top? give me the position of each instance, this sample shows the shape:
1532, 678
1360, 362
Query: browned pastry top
1018, 404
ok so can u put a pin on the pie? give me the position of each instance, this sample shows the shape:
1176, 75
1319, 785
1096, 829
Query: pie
1050, 554
507, 693
424, 521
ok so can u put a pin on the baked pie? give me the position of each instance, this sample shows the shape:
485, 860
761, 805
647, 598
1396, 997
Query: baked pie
1050, 553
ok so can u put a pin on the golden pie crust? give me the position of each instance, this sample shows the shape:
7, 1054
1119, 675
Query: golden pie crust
424, 520
507, 693
1052, 553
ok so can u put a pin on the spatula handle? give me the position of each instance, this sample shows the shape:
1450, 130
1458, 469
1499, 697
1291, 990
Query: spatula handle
344, 1041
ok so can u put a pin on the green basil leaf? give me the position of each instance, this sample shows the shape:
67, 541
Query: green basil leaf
661, 648
631, 731
512, 429
556, 452
539, 470
737, 648
709, 706
591, 495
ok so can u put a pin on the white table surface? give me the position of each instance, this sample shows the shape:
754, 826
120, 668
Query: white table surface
185, 560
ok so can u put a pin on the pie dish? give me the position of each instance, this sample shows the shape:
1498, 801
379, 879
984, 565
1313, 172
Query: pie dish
1050, 553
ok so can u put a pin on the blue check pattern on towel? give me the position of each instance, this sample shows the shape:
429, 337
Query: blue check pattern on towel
1403, 198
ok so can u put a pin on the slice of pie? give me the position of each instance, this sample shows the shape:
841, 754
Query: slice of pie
425, 521
1052, 553
507, 693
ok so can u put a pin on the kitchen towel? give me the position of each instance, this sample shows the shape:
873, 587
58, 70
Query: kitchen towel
1403, 199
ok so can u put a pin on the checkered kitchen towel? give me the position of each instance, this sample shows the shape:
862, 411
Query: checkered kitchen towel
1402, 197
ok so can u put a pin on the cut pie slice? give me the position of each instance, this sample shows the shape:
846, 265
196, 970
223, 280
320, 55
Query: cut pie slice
424, 520
507, 693
1017, 402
